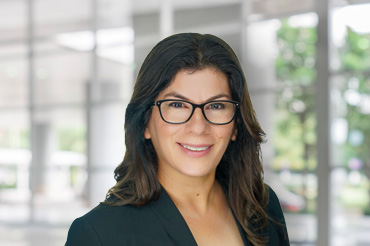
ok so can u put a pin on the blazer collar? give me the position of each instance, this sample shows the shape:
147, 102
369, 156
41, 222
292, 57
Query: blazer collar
172, 220
241, 231
175, 224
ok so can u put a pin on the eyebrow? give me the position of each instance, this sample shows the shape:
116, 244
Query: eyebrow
177, 95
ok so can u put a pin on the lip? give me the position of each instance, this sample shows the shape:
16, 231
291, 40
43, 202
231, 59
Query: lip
196, 154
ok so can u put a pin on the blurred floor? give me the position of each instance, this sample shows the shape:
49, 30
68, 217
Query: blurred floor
52, 220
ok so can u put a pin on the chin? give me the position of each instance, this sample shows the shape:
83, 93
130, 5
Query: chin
198, 173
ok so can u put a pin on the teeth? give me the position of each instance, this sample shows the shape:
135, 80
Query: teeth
193, 148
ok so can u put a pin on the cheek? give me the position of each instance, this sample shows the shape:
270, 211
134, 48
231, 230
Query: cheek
225, 135
228, 133
160, 131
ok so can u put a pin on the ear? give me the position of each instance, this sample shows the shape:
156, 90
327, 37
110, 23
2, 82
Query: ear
235, 133
147, 134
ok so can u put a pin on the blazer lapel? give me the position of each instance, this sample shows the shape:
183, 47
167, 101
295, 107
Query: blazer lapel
241, 231
244, 238
172, 220
175, 224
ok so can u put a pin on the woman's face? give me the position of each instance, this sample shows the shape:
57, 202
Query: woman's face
194, 148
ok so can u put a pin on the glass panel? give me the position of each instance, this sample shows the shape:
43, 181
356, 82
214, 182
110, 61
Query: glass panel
13, 27
63, 68
282, 7
14, 164
58, 174
13, 83
13, 51
350, 132
295, 124
61, 79
14, 116
53, 17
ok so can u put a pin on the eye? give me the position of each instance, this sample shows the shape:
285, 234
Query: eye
176, 105
216, 106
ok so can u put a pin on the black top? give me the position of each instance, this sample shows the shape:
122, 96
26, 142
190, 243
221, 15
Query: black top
159, 223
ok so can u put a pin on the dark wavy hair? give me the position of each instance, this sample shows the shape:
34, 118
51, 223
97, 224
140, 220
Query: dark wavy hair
240, 168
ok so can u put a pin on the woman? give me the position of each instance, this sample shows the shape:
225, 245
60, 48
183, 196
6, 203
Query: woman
192, 173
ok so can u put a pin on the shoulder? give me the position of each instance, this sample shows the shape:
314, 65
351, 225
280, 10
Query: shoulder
126, 225
104, 212
277, 231
113, 215
82, 233
103, 224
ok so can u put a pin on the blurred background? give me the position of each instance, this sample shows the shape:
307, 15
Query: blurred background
67, 70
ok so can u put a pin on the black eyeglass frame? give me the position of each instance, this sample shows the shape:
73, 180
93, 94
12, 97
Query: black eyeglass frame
194, 105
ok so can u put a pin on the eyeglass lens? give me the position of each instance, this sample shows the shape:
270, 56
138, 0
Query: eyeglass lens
218, 112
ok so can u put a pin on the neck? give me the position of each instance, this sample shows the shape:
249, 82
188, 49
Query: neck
196, 193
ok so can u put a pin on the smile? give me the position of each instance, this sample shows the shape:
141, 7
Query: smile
195, 148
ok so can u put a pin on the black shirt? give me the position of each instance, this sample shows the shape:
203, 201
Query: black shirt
159, 223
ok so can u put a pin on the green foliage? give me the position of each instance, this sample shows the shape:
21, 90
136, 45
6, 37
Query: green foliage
295, 137
14, 138
355, 67
295, 122
355, 197
355, 54
8, 180
296, 59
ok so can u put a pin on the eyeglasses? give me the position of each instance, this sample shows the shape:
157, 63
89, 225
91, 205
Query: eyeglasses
219, 112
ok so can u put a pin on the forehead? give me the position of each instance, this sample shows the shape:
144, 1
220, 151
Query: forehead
198, 85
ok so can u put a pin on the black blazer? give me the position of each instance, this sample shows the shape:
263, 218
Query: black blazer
158, 223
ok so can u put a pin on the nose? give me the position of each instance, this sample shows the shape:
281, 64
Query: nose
198, 123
